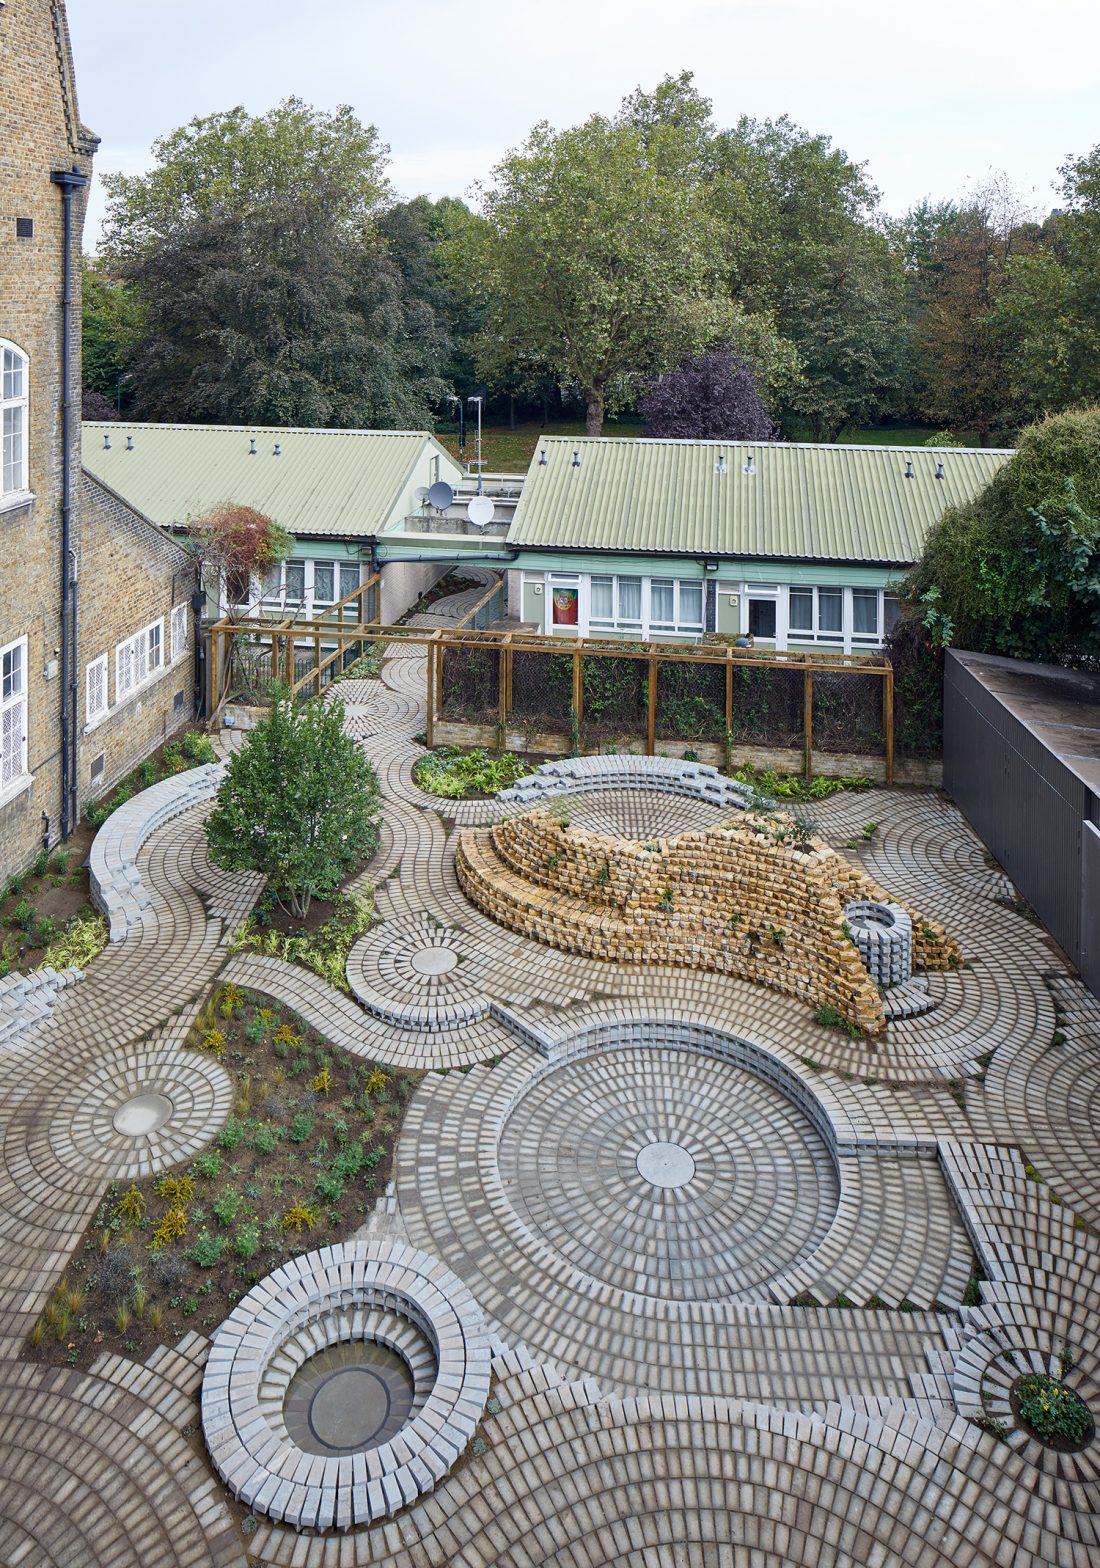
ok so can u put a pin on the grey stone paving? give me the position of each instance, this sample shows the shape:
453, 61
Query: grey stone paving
627, 1426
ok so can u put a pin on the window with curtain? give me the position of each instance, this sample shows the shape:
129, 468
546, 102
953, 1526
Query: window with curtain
13, 420
630, 601
865, 612
603, 599
662, 601
691, 606
295, 581
324, 582
830, 610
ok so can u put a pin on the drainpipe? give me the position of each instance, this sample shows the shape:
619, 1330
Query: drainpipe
69, 180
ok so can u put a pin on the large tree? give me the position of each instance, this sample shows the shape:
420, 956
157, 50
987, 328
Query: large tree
1048, 315
113, 319
597, 259
270, 292
961, 353
709, 396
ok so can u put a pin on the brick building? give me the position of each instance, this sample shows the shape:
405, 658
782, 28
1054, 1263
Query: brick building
95, 661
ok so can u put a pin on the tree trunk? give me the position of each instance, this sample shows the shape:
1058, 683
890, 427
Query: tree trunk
511, 411
593, 411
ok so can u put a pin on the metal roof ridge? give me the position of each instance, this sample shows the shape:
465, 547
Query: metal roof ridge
294, 430
777, 446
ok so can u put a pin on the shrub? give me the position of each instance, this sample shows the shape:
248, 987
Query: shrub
231, 1134
207, 1165
301, 1128
198, 748
23, 914
246, 1243
226, 1206
303, 1216
213, 1040
329, 1187
172, 1226
207, 1250
264, 1140
78, 944
299, 804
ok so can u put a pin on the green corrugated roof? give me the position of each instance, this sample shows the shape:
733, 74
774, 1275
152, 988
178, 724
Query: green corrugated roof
341, 482
802, 502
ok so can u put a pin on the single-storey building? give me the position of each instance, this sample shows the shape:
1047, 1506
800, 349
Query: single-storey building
334, 491
793, 545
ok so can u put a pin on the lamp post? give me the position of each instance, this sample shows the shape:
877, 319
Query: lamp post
457, 401
479, 401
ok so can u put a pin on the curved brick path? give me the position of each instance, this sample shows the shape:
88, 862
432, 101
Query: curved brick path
852, 1448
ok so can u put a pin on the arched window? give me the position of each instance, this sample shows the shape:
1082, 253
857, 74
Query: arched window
13, 419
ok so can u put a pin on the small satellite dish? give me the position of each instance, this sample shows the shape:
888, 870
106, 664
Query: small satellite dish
441, 495
421, 494
479, 509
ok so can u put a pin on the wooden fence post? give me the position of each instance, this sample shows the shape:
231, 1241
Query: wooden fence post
502, 695
317, 665
808, 723
888, 719
578, 684
651, 729
729, 698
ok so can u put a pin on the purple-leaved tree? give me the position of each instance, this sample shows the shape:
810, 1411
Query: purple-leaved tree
709, 396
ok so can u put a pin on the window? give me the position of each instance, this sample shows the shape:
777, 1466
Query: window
13, 420
324, 578
349, 577
801, 610
271, 582
865, 612
95, 689
830, 610
13, 714
762, 617
178, 632
603, 600
817, 614
890, 612
616, 603
565, 595
138, 659
630, 601
662, 602
236, 585
295, 581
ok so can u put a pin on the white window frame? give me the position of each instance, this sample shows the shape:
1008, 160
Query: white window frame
14, 716
139, 660
643, 626
92, 715
178, 632
845, 635
17, 490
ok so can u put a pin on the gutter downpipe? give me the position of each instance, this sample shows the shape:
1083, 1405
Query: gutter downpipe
69, 181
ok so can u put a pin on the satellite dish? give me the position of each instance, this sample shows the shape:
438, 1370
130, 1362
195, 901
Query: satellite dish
441, 495
421, 494
479, 509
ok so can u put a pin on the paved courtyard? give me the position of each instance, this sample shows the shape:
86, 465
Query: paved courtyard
721, 1256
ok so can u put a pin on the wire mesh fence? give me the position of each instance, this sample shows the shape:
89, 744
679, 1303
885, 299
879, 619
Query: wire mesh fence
470, 683
847, 714
691, 702
542, 689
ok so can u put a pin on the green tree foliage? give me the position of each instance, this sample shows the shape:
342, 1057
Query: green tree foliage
270, 292
597, 260
299, 804
1048, 316
961, 277
1017, 571
112, 323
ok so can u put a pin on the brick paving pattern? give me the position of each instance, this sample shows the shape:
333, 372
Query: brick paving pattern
657, 1397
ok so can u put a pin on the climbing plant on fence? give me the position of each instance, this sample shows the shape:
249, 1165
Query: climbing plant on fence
616, 696
691, 702
847, 714
471, 684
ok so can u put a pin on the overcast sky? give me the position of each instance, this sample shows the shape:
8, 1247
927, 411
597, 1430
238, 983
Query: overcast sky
932, 96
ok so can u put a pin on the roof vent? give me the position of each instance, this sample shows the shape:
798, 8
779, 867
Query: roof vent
129, 443
749, 469
106, 442
252, 447
278, 449
542, 458
721, 465
909, 468
939, 470
576, 457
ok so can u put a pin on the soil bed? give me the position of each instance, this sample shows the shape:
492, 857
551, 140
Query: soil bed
38, 905
299, 1164
1056, 1440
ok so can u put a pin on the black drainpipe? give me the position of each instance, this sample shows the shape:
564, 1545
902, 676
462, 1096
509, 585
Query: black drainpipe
69, 180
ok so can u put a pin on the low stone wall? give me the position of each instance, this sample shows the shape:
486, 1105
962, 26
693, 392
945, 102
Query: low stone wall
749, 899
918, 772
28, 1000
664, 775
117, 888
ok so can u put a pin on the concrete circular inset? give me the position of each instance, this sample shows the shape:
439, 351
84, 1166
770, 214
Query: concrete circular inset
143, 1114
434, 960
665, 1165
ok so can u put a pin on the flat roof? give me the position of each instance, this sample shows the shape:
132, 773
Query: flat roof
760, 500
1060, 707
343, 483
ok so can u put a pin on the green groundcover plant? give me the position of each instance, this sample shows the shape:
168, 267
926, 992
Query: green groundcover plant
1052, 1410
456, 774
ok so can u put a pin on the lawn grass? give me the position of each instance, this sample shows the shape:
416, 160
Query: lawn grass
299, 1164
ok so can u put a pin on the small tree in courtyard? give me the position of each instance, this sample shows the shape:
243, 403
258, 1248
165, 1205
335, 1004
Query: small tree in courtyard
709, 397
235, 543
299, 804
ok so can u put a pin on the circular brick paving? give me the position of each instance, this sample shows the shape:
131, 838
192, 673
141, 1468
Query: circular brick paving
664, 1172
640, 814
348, 1462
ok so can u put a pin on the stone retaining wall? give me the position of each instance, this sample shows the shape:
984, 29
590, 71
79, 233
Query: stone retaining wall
116, 884
748, 900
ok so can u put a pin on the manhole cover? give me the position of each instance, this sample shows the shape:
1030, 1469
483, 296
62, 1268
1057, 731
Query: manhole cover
434, 960
142, 1115
665, 1165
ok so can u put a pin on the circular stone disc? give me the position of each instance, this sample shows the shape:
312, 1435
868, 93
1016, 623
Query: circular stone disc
434, 960
350, 1407
142, 1115
665, 1165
